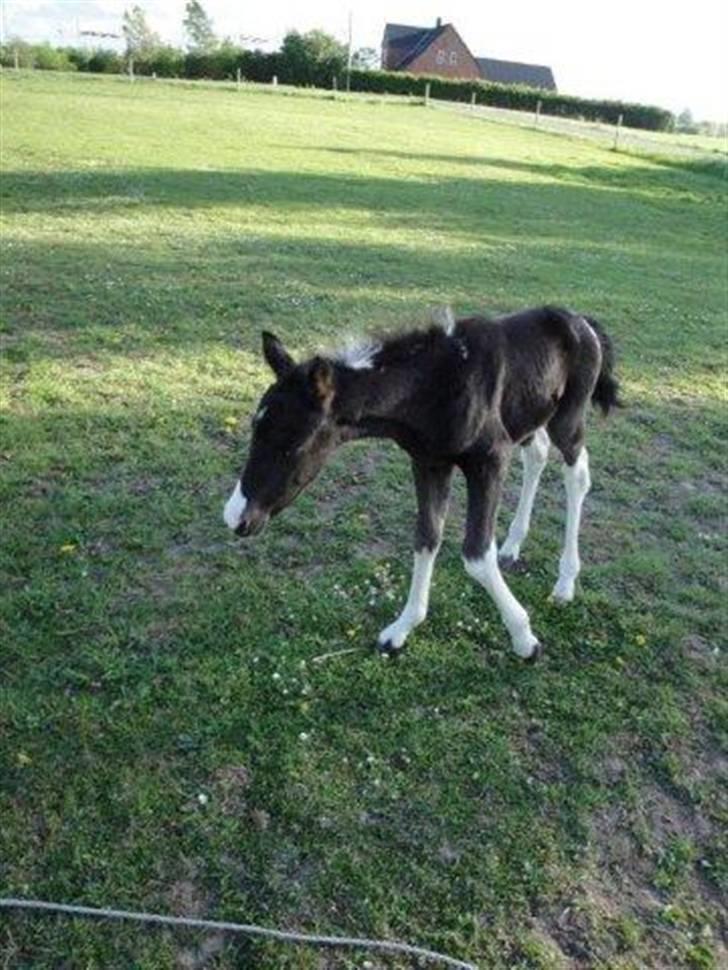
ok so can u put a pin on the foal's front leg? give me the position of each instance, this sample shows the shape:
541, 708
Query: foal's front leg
433, 489
484, 476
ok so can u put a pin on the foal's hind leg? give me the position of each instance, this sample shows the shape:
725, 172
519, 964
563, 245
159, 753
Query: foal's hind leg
534, 456
566, 430
577, 481
433, 489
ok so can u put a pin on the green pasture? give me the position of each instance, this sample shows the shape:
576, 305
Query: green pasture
167, 740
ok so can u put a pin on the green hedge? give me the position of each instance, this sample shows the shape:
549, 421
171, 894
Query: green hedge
224, 63
98, 61
513, 96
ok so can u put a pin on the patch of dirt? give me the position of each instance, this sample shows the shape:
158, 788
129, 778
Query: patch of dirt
347, 482
568, 935
195, 958
548, 947
119, 478
260, 819
291, 874
448, 854
533, 746
702, 486
101, 548
377, 547
144, 486
663, 443
700, 651
666, 818
185, 897
706, 767
619, 889
184, 550
230, 785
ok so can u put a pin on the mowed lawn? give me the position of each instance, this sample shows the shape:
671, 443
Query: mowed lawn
167, 741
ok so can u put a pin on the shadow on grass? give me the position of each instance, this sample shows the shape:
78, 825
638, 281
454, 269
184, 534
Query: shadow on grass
476, 237
457, 203
473, 242
650, 174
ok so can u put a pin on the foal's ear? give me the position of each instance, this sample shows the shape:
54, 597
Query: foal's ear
321, 379
278, 358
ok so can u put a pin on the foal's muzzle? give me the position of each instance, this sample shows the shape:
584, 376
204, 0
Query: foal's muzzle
243, 515
252, 522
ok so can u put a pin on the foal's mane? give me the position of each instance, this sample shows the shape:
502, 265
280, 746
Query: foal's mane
394, 347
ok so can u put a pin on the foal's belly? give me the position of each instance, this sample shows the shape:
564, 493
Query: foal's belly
524, 414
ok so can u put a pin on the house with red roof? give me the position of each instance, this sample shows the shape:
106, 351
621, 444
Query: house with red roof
441, 51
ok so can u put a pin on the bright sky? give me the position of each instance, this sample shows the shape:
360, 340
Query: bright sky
658, 53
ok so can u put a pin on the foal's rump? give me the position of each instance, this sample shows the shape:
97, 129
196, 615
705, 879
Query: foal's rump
556, 363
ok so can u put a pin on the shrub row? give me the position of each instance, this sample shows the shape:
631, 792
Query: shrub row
221, 64
515, 97
40, 56
224, 62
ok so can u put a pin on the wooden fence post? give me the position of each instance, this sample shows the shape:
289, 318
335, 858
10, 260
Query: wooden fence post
237, 79
334, 84
427, 93
620, 119
472, 100
538, 111
16, 59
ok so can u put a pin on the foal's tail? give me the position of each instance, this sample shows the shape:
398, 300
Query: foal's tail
606, 392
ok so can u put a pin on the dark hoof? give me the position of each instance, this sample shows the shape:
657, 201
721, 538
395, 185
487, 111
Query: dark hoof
387, 650
538, 652
515, 566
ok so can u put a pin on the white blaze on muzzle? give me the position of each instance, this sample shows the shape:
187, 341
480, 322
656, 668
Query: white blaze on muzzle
234, 508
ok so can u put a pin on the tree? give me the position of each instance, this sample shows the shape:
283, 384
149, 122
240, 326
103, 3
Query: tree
311, 58
198, 27
365, 59
141, 40
685, 122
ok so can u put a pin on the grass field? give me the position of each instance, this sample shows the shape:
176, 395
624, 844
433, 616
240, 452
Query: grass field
166, 741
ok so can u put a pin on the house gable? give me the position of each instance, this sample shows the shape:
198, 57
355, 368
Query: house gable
443, 53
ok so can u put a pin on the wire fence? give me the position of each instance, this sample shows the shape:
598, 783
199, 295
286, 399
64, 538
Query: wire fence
610, 136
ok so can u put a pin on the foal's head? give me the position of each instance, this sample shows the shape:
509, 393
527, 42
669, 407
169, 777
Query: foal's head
293, 435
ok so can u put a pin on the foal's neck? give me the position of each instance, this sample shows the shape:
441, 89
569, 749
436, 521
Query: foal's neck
376, 402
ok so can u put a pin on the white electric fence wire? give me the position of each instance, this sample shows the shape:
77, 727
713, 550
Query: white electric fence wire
384, 946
